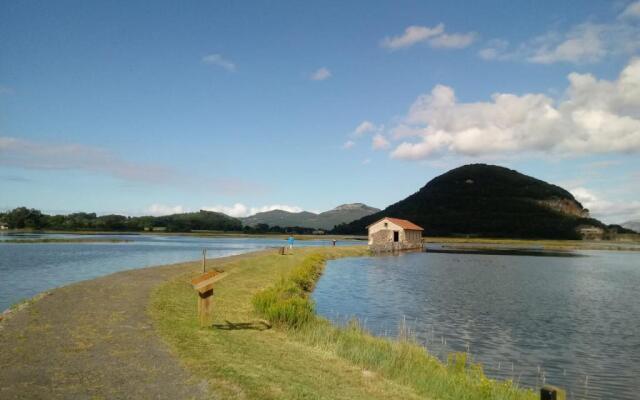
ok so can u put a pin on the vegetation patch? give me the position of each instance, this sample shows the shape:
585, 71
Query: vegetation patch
267, 343
287, 304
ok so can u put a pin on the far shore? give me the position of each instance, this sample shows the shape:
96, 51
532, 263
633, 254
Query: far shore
627, 243
65, 240
533, 244
195, 234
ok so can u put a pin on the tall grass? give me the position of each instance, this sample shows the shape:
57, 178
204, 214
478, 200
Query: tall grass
287, 304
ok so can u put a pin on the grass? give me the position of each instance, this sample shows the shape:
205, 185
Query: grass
546, 244
267, 343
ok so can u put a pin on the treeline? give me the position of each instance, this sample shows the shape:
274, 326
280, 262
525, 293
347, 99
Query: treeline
29, 218
266, 228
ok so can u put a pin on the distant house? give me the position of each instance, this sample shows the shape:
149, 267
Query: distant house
3, 226
391, 234
590, 232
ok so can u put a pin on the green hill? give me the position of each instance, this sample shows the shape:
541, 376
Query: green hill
490, 201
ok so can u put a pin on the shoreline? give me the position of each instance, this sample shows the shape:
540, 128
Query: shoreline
65, 240
93, 320
276, 316
193, 234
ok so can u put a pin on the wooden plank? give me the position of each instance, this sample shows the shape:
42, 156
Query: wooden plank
206, 279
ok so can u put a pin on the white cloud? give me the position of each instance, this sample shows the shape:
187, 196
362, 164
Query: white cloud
240, 210
631, 11
453, 41
365, 127
220, 61
236, 210
587, 42
495, 49
611, 212
28, 154
163, 209
595, 116
584, 43
412, 35
320, 74
379, 142
435, 37
348, 144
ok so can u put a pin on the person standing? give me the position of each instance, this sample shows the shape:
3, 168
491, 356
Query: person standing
290, 241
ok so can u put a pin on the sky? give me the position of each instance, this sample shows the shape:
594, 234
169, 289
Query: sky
141, 108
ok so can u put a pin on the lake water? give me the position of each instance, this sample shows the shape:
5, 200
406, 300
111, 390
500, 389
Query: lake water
569, 321
28, 269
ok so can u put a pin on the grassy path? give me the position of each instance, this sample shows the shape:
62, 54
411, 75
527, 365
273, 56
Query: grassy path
94, 340
242, 358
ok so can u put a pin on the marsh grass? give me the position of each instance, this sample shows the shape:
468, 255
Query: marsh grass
288, 305
302, 356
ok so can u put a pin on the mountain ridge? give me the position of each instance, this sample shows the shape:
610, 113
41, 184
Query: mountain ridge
343, 213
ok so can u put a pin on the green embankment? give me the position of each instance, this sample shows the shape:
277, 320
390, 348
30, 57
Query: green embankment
266, 342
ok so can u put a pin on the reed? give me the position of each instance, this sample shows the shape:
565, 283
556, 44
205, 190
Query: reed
288, 305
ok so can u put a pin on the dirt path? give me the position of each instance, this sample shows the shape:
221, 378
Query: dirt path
93, 339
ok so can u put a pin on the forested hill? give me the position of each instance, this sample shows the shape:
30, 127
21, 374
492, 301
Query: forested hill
490, 201
25, 218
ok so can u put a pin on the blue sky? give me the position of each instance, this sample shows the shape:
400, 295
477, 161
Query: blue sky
139, 108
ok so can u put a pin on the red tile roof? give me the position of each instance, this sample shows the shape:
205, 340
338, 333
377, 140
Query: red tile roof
403, 223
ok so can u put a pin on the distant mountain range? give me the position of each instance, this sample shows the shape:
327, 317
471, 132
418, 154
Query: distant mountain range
325, 220
634, 225
490, 201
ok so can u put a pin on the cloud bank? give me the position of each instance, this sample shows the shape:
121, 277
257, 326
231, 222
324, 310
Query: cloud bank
239, 210
28, 154
594, 116
603, 209
584, 43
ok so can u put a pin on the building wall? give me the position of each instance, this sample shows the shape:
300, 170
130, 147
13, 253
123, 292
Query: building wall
381, 237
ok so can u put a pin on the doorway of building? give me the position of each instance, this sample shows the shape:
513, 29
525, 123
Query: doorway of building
396, 236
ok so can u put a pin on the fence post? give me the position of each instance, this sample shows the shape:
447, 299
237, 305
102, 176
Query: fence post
204, 260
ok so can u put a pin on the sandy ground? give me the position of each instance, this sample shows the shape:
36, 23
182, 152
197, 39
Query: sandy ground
93, 340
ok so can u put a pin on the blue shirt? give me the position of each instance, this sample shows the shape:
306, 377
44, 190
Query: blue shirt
290, 240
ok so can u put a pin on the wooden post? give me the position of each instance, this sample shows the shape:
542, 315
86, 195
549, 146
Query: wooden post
204, 306
203, 284
204, 260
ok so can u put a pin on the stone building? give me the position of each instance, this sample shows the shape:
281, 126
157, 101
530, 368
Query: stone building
392, 234
590, 232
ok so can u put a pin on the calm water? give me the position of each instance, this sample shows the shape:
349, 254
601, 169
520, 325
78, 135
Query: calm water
28, 269
569, 321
